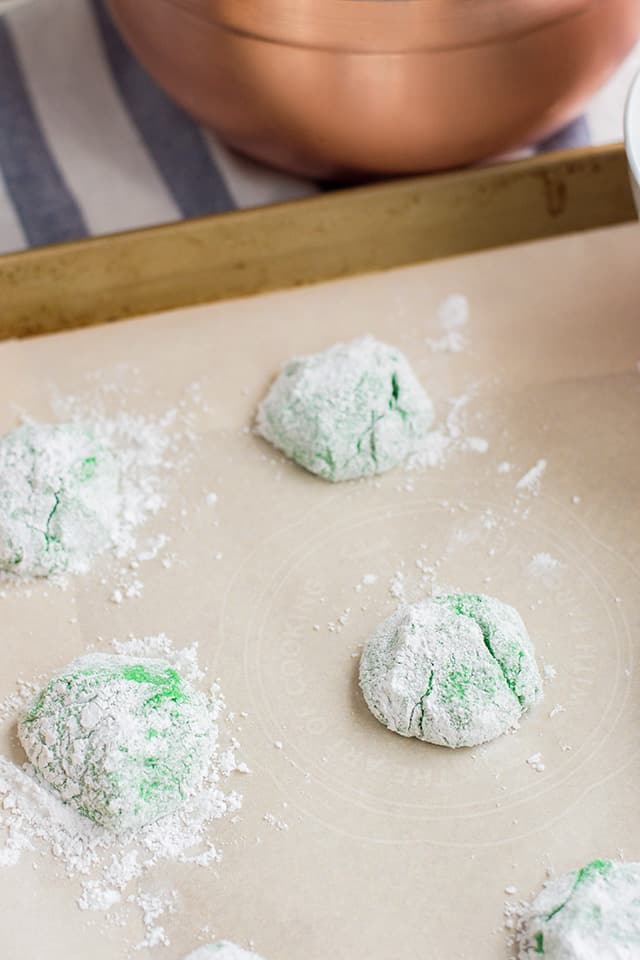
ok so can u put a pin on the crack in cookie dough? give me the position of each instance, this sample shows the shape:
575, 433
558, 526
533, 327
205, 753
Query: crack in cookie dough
455, 670
476, 608
353, 410
124, 741
588, 914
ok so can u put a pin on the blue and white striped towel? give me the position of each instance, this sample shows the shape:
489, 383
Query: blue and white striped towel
89, 144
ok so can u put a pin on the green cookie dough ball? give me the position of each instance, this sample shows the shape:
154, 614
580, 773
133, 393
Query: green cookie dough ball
222, 950
455, 670
353, 410
122, 740
58, 495
588, 914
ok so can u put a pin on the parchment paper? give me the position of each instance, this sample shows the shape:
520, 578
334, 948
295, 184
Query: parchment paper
395, 849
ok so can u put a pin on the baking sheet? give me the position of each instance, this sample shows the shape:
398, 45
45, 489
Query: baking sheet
395, 848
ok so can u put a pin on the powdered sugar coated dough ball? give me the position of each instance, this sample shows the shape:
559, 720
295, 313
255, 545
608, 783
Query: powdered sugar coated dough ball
588, 914
455, 670
122, 740
222, 950
353, 410
58, 491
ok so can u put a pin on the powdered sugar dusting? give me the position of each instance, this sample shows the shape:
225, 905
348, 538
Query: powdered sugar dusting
439, 444
276, 822
543, 563
530, 481
452, 316
536, 762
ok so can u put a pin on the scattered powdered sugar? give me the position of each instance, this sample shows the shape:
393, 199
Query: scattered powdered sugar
453, 341
127, 591
453, 312
432, 451
368, 580
98, 897
33, 818
476, 444
452, 315
276, 822
530, 481
222, 950
16, 702
434, 448
512, 914
543, 563
335, 626
153, 908
536, 762
397, 586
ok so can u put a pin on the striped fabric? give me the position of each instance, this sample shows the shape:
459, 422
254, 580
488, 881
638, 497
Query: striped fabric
89, 144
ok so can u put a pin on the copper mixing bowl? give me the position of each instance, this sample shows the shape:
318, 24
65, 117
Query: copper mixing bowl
344, 88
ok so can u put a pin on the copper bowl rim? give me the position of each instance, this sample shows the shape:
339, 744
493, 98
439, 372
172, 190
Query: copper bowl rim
632, 134
385, 26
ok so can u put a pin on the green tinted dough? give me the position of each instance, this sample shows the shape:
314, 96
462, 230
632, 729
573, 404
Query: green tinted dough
455, 670
58, 492
353, 410
588, 914
122, 740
